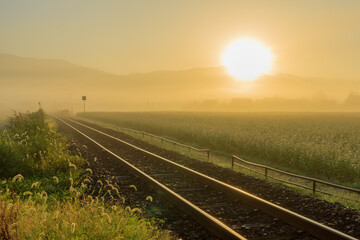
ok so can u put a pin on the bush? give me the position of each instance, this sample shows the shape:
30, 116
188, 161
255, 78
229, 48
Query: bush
30, 148
46, 196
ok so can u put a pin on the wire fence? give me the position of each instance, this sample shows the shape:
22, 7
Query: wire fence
174, 143
308, 183
312, 184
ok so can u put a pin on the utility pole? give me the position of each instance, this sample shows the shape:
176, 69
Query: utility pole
84, 99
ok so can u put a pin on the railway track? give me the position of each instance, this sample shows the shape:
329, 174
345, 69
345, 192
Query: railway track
225, 210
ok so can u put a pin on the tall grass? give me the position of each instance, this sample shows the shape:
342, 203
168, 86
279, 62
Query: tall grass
322, 145
29, 147
45, 194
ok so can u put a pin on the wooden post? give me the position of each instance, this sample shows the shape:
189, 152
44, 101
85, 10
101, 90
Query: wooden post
208, 153
266, 173
313, 187
232, 163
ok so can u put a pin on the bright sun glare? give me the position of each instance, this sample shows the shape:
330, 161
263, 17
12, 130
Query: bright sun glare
246, 59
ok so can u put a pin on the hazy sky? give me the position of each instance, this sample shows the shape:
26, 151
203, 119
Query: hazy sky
308, 37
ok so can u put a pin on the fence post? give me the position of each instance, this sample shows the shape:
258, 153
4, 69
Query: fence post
143, 134
232, 163
189, 149
266, 173
208, 153
162, 140
314, 186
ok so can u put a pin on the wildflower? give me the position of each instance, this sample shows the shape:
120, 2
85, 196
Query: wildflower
72, 165
27, 193
149, 198
44, 194
40, 195
95, 158
72, 227
134, 187
116, 190
41, 235
99, 181
128, 209
89, 170
56, 179
35, 184
56, 214
87, 180
91, 198
136, 210
71, 181
18, 177
102, 209
108, 217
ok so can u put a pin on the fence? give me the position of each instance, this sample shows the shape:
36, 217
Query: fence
314, 181
206, 151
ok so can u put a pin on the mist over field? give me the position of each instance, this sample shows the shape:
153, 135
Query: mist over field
221, 119
59, 85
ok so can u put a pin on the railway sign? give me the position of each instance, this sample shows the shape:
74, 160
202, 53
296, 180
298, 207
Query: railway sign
84, 98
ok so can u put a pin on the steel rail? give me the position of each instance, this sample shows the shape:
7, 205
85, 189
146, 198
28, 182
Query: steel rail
317, 229
211, 223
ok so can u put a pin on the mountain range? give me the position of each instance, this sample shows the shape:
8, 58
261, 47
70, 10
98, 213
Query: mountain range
58, 84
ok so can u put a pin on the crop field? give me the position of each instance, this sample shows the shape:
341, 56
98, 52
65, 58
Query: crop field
321, 145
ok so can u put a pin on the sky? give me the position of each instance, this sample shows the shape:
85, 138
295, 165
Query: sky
307, 38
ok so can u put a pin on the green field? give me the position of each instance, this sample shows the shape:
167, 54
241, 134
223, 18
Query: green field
320, 145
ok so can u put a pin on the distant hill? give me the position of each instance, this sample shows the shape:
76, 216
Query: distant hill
60, 84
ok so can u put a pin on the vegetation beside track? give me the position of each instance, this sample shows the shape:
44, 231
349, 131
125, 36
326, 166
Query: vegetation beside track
320, 145
44, 190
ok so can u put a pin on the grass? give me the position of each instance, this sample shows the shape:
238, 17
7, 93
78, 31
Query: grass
45, 193
320, 145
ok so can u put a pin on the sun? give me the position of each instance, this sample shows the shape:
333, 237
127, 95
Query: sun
247, 59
